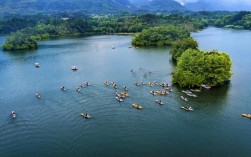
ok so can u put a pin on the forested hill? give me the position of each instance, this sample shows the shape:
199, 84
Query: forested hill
158, 5
43, 6
88, 6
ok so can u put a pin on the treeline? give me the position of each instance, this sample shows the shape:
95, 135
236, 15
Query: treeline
241, 20
48, 27
160, 36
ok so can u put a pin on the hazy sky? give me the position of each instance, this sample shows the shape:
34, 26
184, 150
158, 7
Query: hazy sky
225, 1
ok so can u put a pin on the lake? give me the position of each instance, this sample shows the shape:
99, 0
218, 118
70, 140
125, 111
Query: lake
52, 126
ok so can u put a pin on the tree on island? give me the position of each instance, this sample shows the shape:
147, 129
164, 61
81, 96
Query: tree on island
179, 46
196, 67
160, 36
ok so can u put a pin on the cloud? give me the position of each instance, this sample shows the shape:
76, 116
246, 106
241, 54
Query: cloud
248, 2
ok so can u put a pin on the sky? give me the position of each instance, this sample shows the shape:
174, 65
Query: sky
248, 2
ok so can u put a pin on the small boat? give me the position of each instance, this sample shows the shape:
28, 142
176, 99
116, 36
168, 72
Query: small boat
153, 93
63, 88
87, 83
125, 88
159, 102
38, 95
130, 47
124, 94
155, 83
206, 86
187, 91
246, 115
150, 84
85, 115
136, 83
192, 95
164, 85
78, 89
119, 99
184, 98
169, 89
195, 90
163, 93
106, 83
13, 114
137, 106
37, 65
187, 108
74, 68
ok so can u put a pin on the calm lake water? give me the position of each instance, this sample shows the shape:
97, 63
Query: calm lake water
52, 126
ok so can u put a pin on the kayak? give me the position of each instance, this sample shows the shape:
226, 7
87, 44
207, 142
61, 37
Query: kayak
246, 115
195, 90
159, 102
137, 106
86, 116
37, 65
106, 83
13, 114
153, 93
158, 91
37, 95
186, 108
150, 84
74, 68
124, 94
184, 98
192, 95
119, 99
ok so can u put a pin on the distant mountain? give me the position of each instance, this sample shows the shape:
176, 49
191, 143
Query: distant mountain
41, 6
158, 5
87, 6
218, 5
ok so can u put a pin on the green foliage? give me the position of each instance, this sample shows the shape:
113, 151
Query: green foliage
179, 46
159, 36
19, 41
196, 67
45, 27
240, 20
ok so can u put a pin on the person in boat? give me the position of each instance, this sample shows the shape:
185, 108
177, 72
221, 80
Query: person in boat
145, 75
38, 95
137, 105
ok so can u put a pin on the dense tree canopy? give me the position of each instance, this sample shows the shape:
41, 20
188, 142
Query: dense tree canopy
196, 67
179, 46
159, 36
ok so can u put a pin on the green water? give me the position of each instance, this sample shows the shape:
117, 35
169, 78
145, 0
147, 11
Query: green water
52, 126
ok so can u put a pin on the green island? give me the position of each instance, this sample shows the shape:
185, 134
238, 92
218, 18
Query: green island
194, 67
